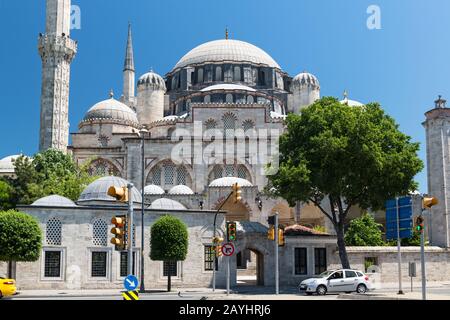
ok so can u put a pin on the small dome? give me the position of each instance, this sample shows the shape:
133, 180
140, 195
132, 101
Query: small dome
54, 201
181, 190
306, 79
98, 190
10, 159
351, 103
152, 80
228, 87
230, 181
166, 204
112, 110
153, 190
226, 50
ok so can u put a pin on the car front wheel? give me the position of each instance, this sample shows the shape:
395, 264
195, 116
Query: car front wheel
361, 289
321, 290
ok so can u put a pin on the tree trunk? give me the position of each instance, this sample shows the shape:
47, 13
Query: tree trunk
341, 245
11, 269
169, 280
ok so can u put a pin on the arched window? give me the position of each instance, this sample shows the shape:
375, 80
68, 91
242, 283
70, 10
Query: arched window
53, 232
248, 125
167, 175
200, 75
250, 99
100, 233
218, 76
237, 73
210, 124
207, 99
220, 171
229, 98
102, 167
228, 74
229, 124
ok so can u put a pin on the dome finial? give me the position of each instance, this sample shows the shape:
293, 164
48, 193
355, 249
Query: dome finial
111, 94
226, 33
440, 103
345, 94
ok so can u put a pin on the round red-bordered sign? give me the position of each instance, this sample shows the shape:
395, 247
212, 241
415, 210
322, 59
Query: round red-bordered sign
228, 249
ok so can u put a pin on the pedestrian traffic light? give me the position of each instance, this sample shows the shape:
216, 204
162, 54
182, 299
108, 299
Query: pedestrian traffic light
271, 233
119, 232
420, 224
120, 194
281, 241
237, 193
231, 231
428, 202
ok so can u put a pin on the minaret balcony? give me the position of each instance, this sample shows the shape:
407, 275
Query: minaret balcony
58, 45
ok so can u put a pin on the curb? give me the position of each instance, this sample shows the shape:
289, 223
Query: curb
371, 297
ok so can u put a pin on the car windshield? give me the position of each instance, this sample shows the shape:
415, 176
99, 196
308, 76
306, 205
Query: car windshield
325, 274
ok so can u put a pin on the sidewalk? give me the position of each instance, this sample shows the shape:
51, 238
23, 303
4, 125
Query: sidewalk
393, 296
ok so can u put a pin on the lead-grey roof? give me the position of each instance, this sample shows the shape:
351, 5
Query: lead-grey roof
54, 201
166, 204
112, 110
98, 190
227, 51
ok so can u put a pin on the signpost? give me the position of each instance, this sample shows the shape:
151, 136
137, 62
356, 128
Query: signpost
228, 249
412, 273
131, 283
399, 225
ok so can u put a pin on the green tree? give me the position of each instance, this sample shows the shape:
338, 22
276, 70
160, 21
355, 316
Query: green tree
169, 242
364, 232
20, 238
337, 157
414, 241
50, 172
5, 195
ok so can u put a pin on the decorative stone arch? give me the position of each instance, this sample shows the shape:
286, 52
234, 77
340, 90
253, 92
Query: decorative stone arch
249, 174
103, 167
162, 165
240, 211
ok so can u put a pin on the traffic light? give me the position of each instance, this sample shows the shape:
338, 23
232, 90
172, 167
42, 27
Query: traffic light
237, 193
218, 251
217, 247
281, 241
119, 232
428, 202
271, 233
420, 224
231, 231
271, 220
120, 194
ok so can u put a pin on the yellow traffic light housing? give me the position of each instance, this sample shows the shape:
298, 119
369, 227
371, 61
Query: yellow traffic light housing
271, 233
219, 251
120, 194
281, 241
429, 202
237, 193
118, 231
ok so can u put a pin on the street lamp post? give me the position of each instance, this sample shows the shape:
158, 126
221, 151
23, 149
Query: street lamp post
143, 133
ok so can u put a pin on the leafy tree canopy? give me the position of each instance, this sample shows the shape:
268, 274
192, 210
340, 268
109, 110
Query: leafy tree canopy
169, 239
364, 232
20, 237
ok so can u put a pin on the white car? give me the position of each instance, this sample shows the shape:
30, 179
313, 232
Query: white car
334, 281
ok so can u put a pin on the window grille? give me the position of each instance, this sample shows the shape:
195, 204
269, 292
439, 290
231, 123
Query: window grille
181, 176
169, 174
248, 125
242, 172
209, 259
301, 265
210, 124
218, 172
100, 233
170, 266
53, 232
229, 124
98, 264
124, 263
229, 171
218, 76
52, 264
156, 176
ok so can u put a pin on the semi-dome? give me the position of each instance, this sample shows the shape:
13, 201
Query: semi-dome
98, 190
228, 87
54, 201
112, 110
153, 190
227, 50
306, 79
166, 204
230, 181
181, 190
152, 80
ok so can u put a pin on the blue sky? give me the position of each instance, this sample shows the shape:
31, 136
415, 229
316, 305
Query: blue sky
404, 66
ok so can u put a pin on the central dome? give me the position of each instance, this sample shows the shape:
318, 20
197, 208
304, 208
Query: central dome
227, 51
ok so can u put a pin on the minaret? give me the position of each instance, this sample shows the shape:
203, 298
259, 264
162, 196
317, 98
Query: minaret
129, 71
437, 126
57, 51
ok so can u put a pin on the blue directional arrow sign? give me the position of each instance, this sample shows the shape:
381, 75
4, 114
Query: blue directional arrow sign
405, 223
130, 283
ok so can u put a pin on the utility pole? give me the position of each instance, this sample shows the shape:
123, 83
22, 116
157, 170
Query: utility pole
130, 229
422, 258
400, 291
277, 271
143, 132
